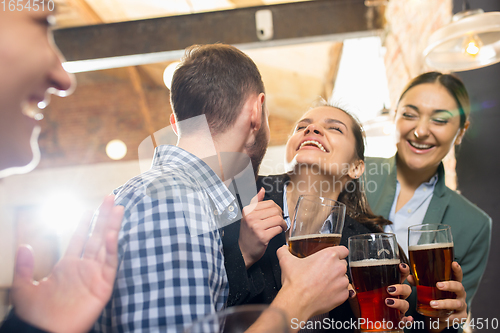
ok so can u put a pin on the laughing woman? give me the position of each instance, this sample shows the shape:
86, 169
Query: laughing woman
409, 188
326, 158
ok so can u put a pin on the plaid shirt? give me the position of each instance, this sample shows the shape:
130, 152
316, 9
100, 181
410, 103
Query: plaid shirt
171, 269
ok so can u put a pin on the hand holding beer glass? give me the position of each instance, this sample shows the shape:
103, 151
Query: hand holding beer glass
374, 265
430, 247
317, 224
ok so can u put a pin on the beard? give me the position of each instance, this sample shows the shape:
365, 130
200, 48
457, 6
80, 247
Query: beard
257, 149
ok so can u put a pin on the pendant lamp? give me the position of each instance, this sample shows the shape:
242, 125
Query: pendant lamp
470, 41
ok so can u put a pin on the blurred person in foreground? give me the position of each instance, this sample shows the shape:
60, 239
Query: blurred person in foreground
72, 296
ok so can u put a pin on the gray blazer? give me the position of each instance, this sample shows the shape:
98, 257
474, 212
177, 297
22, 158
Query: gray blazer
470, 226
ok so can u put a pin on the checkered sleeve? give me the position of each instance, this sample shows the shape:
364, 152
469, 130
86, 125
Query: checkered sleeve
169, 274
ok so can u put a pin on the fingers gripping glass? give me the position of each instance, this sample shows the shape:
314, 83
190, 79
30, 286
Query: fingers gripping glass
430, 247
317, 224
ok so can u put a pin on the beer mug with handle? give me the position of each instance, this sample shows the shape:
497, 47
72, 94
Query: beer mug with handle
317, 224
430, 247
246, 318
374, 265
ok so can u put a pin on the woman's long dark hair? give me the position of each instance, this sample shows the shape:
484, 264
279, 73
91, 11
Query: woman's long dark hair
353, 195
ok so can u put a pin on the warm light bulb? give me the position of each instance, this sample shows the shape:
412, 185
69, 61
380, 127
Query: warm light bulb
168, 74
472, 48
472, 45
116, 149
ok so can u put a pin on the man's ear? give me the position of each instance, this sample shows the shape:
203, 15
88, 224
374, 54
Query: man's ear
173, 122
357, 169
257, 112
461, 133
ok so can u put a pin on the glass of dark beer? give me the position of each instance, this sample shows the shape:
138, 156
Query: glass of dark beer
430, 247
374, 265
317, 224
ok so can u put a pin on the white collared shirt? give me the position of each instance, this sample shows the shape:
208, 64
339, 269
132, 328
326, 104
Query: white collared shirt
412, 213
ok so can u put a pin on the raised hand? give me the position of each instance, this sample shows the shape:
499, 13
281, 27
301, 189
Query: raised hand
72, 297
261, 221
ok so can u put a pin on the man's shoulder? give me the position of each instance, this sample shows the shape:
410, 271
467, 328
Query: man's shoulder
170, 195
165, 181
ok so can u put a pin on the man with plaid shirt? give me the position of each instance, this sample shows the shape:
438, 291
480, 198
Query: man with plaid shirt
170, 244
171, 269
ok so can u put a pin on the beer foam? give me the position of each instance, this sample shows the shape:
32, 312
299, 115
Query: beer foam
430, 246
296, 238
374, 262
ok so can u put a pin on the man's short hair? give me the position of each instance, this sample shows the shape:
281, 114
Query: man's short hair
214, 80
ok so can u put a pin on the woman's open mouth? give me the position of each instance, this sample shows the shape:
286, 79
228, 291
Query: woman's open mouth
420, 146
314, 144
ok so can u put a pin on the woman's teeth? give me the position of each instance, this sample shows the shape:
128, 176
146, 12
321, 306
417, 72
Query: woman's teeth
315, 143
420, 145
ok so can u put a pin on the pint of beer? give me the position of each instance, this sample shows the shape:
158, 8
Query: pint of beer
374, 265
303, 246
317, 224
430, 247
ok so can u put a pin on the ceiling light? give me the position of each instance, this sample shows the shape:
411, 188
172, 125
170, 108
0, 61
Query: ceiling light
472, 45
168, 74
470, 41
116, 149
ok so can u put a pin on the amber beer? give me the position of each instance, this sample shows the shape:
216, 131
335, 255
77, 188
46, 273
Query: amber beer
370, 278
303, 246
431, 263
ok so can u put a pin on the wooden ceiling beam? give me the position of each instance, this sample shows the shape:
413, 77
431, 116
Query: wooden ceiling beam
143, 104
335, 55
87, 11
292, 22
247, 3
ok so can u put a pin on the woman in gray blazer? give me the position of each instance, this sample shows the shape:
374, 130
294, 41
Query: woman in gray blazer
409, 188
